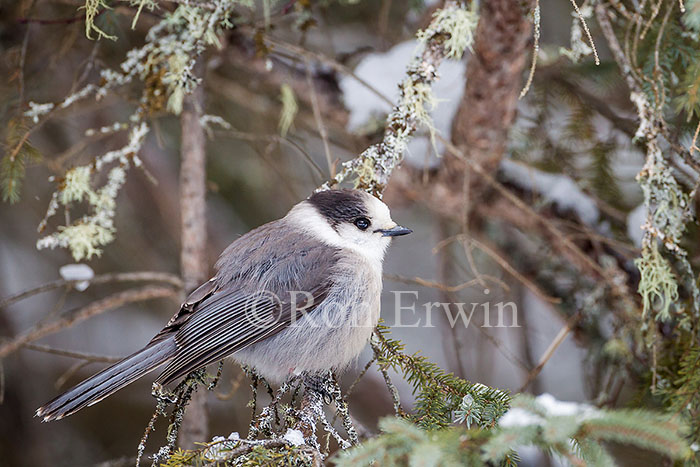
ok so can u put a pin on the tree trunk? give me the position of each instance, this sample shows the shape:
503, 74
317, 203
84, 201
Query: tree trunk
193, 261
494, 81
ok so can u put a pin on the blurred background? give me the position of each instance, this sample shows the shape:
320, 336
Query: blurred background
566, 151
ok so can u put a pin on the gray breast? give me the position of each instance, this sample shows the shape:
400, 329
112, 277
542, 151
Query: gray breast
332, 335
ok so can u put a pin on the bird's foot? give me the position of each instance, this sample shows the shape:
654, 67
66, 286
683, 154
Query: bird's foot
321, 383
162, 394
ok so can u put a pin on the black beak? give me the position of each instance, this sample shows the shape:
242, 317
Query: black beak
394, 231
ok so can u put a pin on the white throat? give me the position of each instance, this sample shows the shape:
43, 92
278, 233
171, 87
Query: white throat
305, 217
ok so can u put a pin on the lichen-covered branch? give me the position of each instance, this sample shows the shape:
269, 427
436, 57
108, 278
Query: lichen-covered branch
163, 67
669, 208
447, 36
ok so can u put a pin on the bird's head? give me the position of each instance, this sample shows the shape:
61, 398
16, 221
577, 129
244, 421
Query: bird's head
351, 219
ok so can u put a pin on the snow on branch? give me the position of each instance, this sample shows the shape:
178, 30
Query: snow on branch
448, 36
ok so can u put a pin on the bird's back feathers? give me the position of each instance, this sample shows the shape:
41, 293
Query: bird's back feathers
247, 301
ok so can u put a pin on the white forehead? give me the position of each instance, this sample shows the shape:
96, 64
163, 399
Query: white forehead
377, 210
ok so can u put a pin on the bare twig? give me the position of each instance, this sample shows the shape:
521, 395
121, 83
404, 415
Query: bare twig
587, 31
2, 382
76, 367
72, 19
319, 120
444, 287
89, 357
272, 138
694, 145
618, 53
335, 65
535, 49
81, 314
489, 179
22, 60
556, 342
503, 263
139, 276
398, 410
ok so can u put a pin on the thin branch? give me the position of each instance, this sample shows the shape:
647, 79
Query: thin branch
489, 179
76, 367
72, 19
444, 287
139, 276
81, 314
362, 373
89, 357
398, 410
553, 346
22, 60
503, 263
587, 31
335, 65
535, 49
2, 382
272, 138
319, 120
694, 145
614, 45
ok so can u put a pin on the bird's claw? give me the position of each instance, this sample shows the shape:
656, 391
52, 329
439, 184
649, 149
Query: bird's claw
322, 384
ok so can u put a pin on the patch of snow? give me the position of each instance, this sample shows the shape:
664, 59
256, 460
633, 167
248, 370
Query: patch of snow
77, 272
561, 408
635, 220
519, 417
383, 71
557, 189
220, 446
295, 437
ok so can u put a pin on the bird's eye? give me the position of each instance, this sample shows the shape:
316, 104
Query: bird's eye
362, 223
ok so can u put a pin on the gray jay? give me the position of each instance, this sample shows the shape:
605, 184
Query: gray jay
299, 294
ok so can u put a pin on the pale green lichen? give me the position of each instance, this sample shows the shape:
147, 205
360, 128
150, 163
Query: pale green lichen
669, 210
75, 185
289, 109
458, 24
579, 47
165, 65
178, 65
92, 9
95, 229
657, 286
424, 102
150, 4
374, 166
84, 240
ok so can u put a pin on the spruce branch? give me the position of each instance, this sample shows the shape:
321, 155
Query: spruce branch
577, 433
438, 393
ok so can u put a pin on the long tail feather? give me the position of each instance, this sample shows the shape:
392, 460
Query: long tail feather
108, 381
